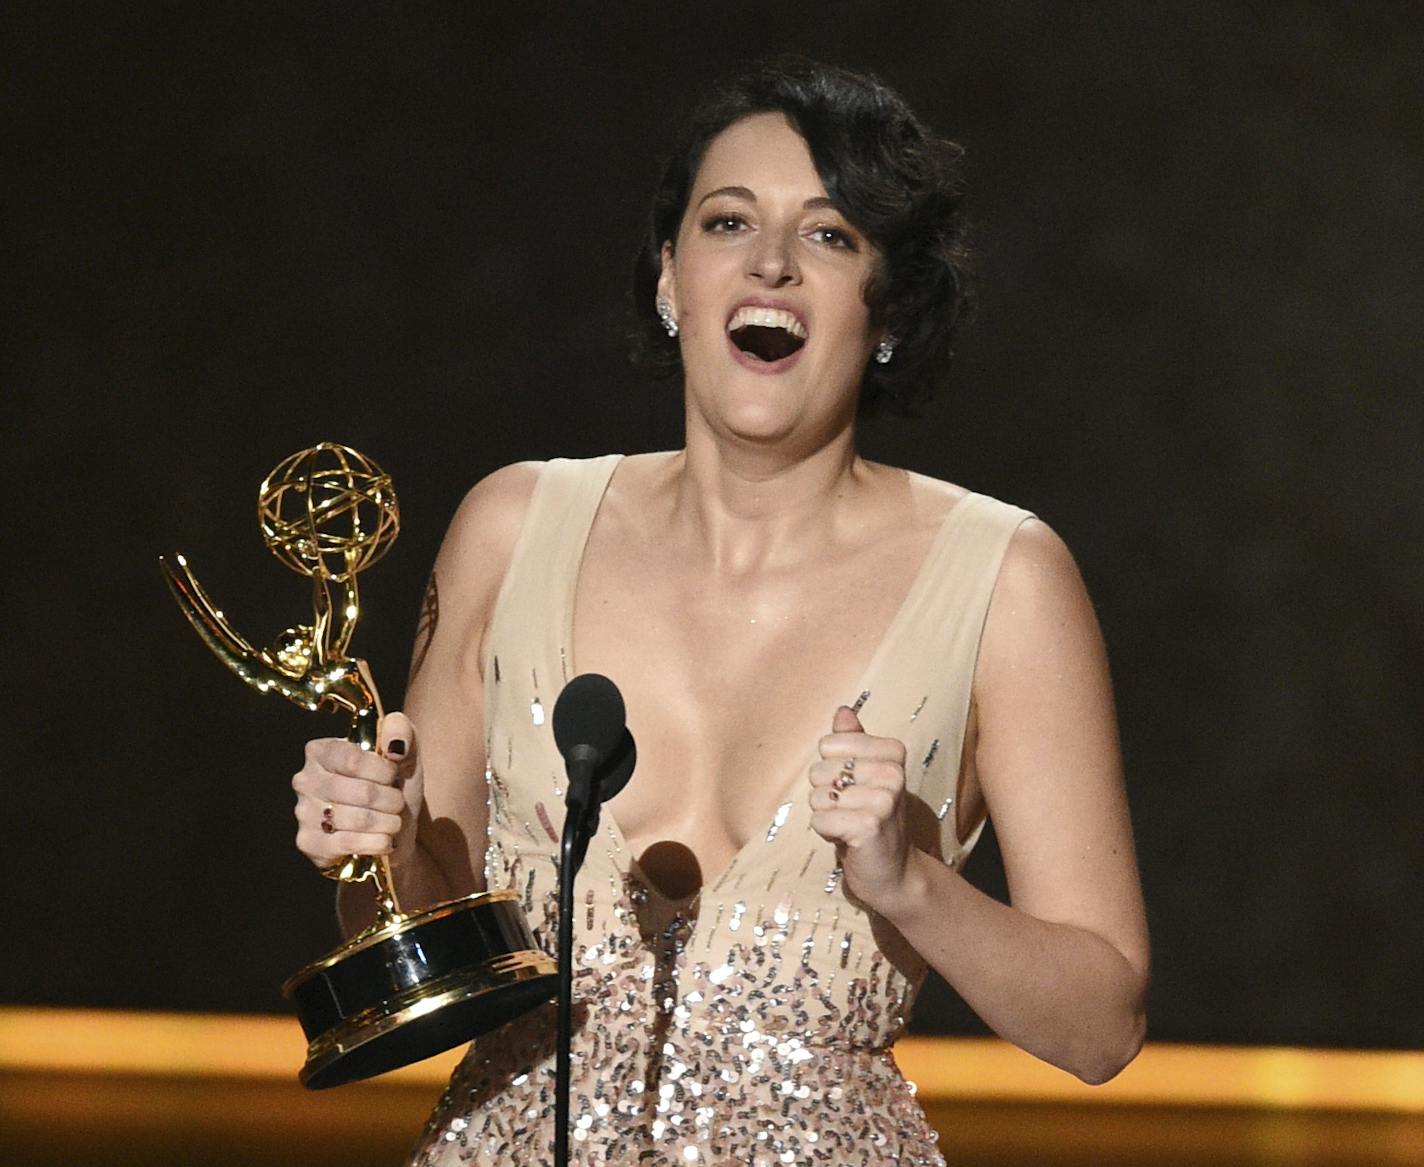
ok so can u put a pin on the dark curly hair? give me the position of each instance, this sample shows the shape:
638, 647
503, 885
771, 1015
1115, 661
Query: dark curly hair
886, 172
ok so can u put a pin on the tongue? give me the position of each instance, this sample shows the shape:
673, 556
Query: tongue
766, 344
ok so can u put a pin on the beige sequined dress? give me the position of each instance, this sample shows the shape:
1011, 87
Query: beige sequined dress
753, 1026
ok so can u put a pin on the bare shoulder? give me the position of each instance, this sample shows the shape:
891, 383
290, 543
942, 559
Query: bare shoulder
1038, 569
488, 519
480, 540
1041, 619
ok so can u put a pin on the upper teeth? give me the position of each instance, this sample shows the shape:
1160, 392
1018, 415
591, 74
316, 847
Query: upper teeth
766, 318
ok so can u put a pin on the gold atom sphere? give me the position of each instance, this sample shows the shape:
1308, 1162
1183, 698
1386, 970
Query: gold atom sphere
328, 511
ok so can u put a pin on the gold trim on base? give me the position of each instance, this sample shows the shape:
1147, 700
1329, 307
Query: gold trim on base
452, 989
381, 932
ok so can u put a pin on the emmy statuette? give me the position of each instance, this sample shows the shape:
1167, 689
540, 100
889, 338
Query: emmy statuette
411, 985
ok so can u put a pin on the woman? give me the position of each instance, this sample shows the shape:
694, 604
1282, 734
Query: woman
833, 670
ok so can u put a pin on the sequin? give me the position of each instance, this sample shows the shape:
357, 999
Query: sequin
536, 711
918, 708
782, 812
944, 807
930, 755
860, 701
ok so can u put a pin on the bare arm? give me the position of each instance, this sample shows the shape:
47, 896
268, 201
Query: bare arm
436, 784
1062, 972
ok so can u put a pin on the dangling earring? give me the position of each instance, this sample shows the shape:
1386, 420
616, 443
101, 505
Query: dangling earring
665, 315
884, 351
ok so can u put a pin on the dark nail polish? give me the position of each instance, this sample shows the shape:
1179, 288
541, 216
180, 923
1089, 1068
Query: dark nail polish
396, 748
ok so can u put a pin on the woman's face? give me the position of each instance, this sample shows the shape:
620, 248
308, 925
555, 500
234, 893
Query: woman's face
766, 281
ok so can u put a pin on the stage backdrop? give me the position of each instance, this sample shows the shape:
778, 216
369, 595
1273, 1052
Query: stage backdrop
410, 230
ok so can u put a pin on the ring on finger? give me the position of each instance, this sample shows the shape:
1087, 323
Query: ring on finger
846, 777
328, 826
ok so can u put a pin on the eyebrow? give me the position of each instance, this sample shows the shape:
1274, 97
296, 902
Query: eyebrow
742, 192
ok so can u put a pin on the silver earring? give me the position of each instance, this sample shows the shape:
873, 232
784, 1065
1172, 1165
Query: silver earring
883, 352
665, 315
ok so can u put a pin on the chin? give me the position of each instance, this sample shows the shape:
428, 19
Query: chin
759, 416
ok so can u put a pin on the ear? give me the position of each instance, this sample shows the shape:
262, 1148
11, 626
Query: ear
667, 278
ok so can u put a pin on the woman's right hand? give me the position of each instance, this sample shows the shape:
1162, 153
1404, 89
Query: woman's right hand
352, 801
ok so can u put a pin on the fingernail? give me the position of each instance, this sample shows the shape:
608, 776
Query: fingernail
396, 747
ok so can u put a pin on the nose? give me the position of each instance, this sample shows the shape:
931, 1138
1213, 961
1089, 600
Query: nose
772, 261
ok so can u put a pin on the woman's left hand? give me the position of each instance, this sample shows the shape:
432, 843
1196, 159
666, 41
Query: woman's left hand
858, 803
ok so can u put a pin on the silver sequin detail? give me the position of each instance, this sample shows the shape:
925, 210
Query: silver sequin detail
944, 807
833, 880
779, 821
918, 707
860, 701
930, 756
536, 711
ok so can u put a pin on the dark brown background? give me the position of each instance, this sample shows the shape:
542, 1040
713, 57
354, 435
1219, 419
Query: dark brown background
408, 227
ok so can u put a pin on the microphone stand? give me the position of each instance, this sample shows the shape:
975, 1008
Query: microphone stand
580, 820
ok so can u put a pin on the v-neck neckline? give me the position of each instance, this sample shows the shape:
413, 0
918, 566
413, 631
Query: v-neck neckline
864, 690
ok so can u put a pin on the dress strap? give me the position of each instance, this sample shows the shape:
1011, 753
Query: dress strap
921, 691
536, 595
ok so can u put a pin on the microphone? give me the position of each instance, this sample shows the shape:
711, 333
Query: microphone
591, 731
589, 713
589, 721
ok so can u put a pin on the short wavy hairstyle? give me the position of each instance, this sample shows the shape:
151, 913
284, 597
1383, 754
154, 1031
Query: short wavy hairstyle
886, 172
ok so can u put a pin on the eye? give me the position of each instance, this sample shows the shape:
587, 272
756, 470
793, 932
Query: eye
725, 223
834, 237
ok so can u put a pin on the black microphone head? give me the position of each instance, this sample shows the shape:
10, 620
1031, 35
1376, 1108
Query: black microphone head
589, 712
617, 768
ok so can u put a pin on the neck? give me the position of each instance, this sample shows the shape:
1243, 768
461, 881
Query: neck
746, 505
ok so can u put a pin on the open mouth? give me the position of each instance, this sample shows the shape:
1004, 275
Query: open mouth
767, 334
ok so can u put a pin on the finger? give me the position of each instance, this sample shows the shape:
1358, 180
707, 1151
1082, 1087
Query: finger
874, 802
334, 818
322, 787
846, 721
338, 756
318, 846
856, 771
862, 745
396, 739
839, 825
